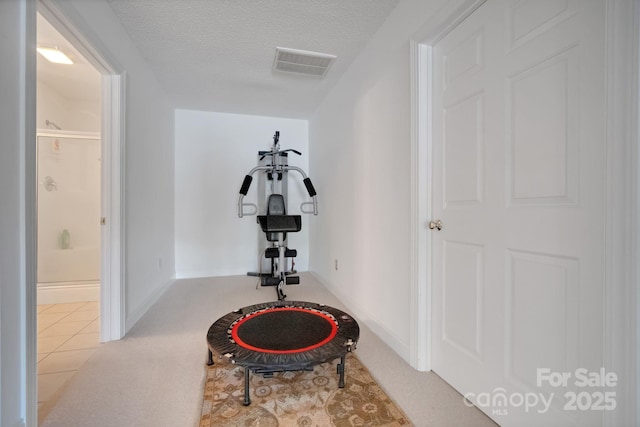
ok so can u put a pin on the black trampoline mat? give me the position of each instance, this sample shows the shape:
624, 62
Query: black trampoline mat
284, 330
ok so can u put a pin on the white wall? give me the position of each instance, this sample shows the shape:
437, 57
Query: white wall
64, 112
213, 153
148, 147
360, 141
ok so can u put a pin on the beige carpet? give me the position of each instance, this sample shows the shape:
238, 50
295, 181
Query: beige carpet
298, 398
154, 376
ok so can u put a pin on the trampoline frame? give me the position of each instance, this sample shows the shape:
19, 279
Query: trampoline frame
220, 342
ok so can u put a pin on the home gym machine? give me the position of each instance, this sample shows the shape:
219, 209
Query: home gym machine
273, 167
280, 336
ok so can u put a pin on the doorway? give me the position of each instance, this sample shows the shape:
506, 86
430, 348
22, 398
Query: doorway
515, 284
110, 121
517, 267
68, 146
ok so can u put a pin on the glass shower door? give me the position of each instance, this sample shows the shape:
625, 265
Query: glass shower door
68, 209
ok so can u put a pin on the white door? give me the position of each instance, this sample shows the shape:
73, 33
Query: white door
518, 183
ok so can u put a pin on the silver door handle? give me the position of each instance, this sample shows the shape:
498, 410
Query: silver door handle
435, 224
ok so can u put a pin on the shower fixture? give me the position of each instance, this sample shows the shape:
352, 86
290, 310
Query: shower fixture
49, 183
50, 123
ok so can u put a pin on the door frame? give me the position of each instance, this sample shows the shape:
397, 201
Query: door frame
112, 304
622, 279
112, 325
422, 42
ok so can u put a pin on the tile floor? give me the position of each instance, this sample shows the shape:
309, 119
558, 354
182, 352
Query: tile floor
68, 335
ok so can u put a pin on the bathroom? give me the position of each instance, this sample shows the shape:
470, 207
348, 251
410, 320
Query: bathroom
68, 146
68, 118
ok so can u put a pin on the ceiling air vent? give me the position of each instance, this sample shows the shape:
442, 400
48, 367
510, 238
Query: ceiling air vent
302, 62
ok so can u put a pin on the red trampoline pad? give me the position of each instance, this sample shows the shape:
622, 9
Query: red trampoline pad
284, 330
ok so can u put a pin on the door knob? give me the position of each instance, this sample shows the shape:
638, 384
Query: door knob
435, 224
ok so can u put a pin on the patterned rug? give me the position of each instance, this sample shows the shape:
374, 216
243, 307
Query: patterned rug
298, 398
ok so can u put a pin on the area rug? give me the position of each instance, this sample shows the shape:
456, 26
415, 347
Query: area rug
307, 398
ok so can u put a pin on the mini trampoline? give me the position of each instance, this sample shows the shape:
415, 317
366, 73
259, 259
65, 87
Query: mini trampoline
283, 336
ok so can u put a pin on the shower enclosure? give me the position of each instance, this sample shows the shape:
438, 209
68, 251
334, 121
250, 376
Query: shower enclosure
68, 216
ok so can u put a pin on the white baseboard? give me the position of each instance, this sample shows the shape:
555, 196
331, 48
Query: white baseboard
367, 319
60, 293
138, 312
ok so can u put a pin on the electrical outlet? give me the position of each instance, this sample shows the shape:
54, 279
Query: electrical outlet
335, 264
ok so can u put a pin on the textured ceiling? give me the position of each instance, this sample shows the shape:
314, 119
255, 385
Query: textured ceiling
217, 55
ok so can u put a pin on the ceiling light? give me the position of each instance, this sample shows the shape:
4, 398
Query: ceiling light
302, 61
55, 55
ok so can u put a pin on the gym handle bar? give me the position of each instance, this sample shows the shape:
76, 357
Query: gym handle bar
309, 185
246, 183
273, 153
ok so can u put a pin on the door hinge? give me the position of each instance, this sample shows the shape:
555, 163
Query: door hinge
103, 220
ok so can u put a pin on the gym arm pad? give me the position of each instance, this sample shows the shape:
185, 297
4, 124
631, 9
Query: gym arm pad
309, 185
246, 184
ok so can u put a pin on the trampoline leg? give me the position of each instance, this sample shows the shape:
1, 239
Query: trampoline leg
247, 398
341, 372
210, 360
